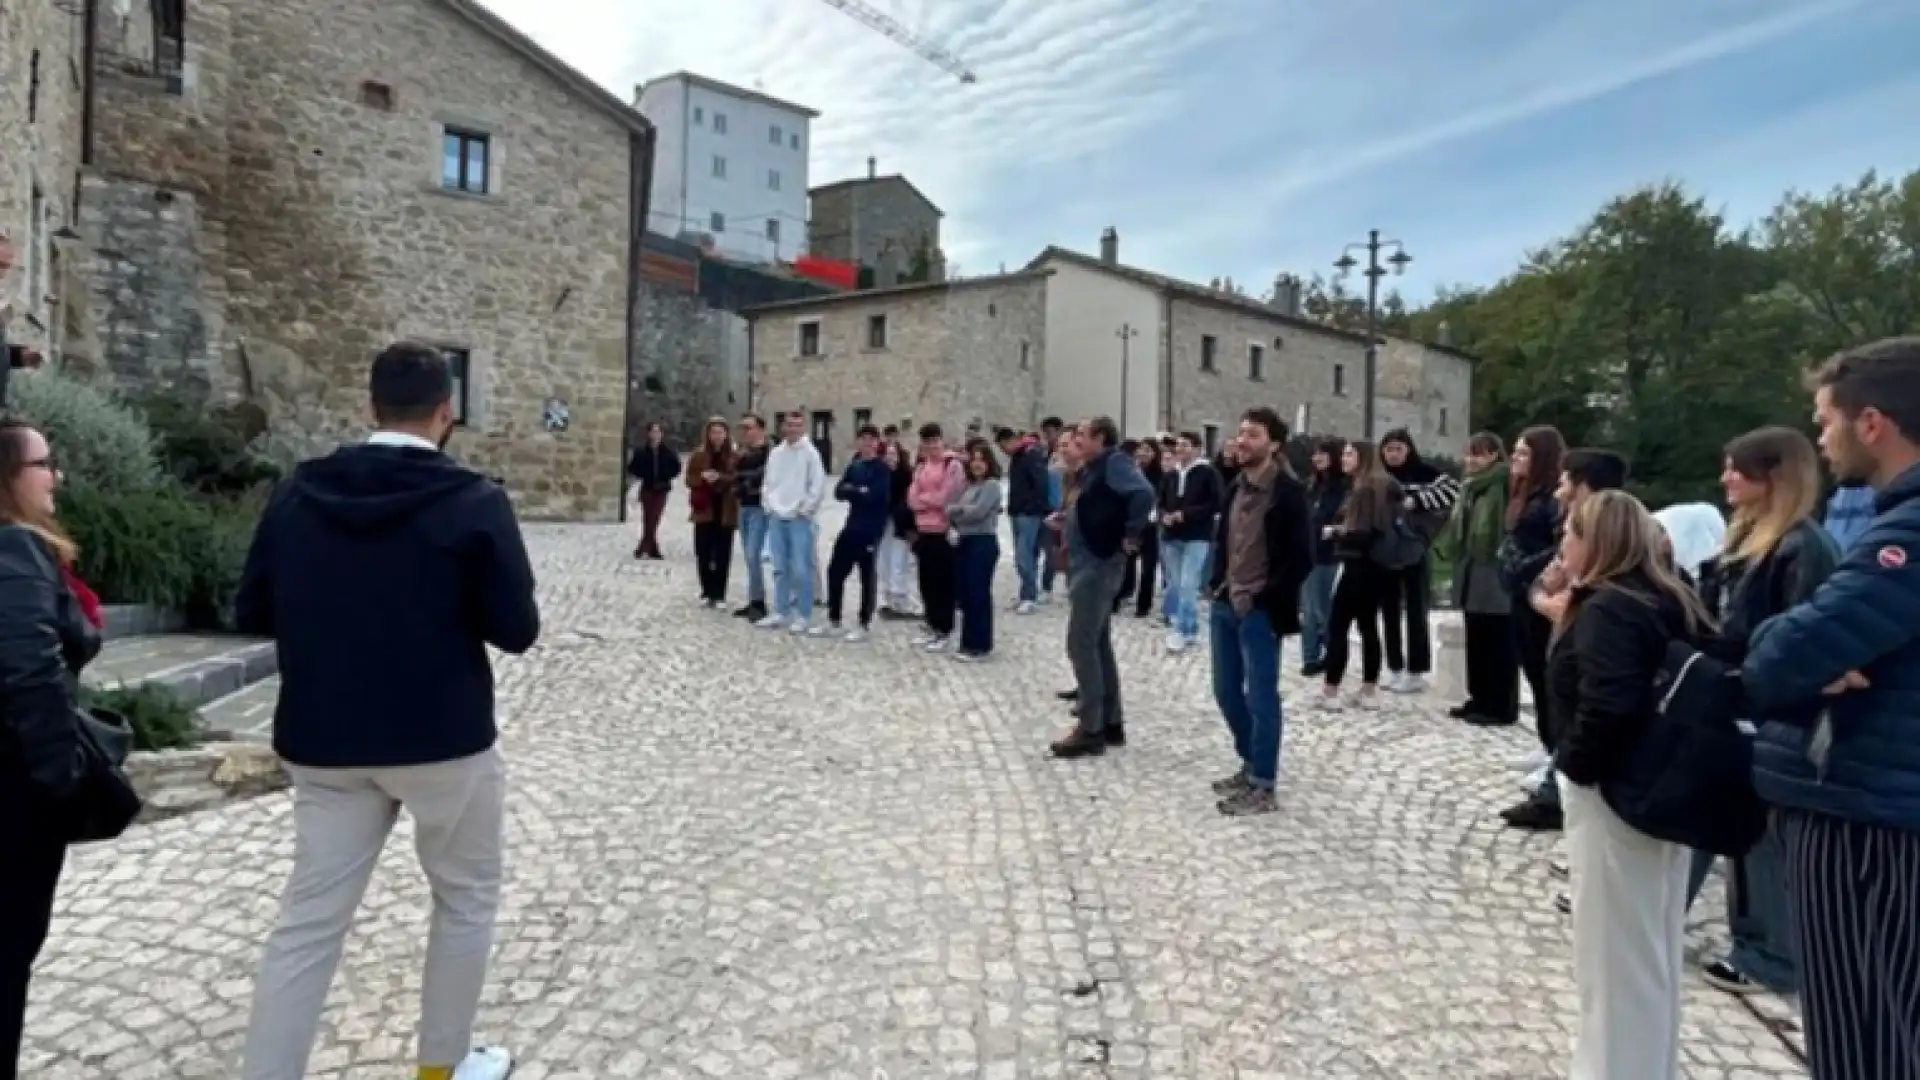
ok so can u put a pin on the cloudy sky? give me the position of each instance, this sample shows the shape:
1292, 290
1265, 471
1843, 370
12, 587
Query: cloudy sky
1247, 137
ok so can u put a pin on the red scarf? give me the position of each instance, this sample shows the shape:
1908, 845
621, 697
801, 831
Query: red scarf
89, 600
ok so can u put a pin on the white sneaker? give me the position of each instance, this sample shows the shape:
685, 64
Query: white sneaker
938, 644
1537, 760
856, 635
1538, 778
771, 622
1046, 598
1332, 703
1410, 684
1367, 701
1176, 643
825, 629
1391, 683
799, 627
485, 1063
1024, 607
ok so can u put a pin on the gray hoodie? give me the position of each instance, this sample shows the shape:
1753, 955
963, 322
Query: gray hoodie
977, 512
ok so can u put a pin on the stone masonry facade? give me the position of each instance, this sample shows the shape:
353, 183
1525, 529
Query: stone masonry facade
268, 221
1299, 366
954, 353
878, 222
41, 93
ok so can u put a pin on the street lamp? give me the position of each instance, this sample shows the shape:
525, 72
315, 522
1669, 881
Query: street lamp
1397, 262
1126, 334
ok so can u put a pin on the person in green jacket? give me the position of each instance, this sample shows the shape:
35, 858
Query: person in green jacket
1470, 542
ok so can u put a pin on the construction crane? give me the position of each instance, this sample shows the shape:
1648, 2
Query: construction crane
880, 21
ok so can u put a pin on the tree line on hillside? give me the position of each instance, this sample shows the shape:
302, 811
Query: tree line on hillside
1661, 331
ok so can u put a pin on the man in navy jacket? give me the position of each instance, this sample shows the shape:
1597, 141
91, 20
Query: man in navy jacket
867, 489
383, 571
1842, 762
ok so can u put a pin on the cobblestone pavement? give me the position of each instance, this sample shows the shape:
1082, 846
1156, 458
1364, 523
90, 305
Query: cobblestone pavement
737, 854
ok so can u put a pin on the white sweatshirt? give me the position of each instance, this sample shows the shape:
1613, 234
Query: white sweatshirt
796, 482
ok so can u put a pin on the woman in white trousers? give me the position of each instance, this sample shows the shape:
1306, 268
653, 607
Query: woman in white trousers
1624, 605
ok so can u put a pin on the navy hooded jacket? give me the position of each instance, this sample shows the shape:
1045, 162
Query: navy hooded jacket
383, 572
867, 489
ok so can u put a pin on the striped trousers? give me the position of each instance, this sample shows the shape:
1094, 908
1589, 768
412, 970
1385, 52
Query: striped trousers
1854, 891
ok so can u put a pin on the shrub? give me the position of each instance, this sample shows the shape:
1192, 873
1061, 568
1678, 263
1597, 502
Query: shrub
211, 450
162, 546
94, 436
159, 718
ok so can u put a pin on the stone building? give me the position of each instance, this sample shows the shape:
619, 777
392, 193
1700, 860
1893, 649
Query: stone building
276, 191
1158, 353
882, 224
956, 353
41, 97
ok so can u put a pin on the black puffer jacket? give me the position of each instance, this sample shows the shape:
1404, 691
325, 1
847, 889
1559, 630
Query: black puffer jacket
1530, 544
44, 642
1324, 500
1742, 597
1600, 674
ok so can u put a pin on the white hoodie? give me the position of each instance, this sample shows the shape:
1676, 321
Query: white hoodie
796, 481
1697, 531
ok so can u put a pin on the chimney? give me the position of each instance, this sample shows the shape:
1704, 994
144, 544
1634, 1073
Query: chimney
873, 167
1296, 292
1443, 334
1280, 293
1109, 246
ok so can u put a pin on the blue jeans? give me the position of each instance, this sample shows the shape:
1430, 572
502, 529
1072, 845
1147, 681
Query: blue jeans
1246, 685
753, 546
1186, 564
1026, 554
792, 543
974, 560
1757, 913
1316, 604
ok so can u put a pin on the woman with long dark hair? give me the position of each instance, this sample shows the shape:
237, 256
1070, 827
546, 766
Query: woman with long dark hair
1776, 553
716, 510
1362, 589
1471, 540
976, 524
896, 550
49, 629
1528, 548
654, 466
1327, 492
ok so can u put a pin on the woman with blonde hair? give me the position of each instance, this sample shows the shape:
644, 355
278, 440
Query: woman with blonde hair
1775, 554
1625, 606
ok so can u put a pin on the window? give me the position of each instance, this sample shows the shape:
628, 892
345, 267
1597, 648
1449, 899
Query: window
719, 167
773, 134
719, 123
1026, 356
1256, 362
861, 418
464, 161
699, 115
773, 229
773, 179
796, 140
1443, 419
717, 221
876, 331
1210, 436
807, 338
460, 366
1340, 378
1209, 351
376, 95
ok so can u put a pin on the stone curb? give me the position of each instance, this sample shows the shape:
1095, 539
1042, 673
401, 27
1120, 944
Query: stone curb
202, 682
129, 620
176, 782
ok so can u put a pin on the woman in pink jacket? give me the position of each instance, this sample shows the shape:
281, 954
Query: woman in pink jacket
938, 480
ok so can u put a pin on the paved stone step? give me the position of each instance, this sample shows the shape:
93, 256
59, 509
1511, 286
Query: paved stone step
245, 716
200, 668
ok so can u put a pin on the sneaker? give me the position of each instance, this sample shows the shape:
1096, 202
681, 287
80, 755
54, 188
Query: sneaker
1537, 779
770, 622
1480, 719
1722, 975
754, 612
1024, 607
1176, 643
1332, 703
935, 645
799, 627
856, 635
1046, 597
1249, 803
1410, 684
1534, 815
924, 638
1391, 683
1367, 698
825, 629
968, 656
485, 1063
1231, 785
1313, 670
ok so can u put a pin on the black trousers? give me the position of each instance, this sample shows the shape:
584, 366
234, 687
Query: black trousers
1853, 890
1143, 572
1410, 597
30, 862
937, 586
1357, 600
713, 555
1531, 633
1493, 667
849, 553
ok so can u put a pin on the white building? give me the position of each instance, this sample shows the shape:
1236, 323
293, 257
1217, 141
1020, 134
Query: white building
729, 163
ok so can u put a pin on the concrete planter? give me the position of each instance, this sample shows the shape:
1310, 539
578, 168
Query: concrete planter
176, 782
127, 620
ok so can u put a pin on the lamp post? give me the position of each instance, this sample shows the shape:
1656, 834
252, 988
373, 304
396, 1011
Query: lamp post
1345, 264
1126, 334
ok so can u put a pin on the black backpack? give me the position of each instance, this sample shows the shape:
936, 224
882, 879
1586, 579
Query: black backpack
1689, 778
1399, 545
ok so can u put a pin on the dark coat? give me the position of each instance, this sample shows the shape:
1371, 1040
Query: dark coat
1289, 553
44, 642
1602, 671
655, 467
1198, 506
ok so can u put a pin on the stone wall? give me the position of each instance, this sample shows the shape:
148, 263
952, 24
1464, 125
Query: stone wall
150, 315
698, 355
40, 101
1302, 366
878, 223
1429, 391
322, 231
958, 352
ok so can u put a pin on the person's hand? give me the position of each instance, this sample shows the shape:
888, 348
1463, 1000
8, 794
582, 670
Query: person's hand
1054, 521
1554, 578
1130, 545
1852, 680
1243, 606
1174, 518
710, 476
1551, 606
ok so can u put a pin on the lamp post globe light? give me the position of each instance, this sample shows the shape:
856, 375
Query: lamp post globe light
1396, 264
